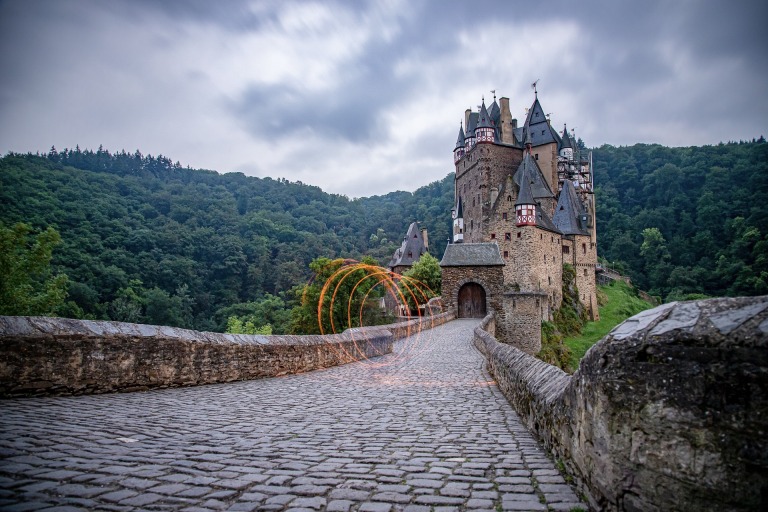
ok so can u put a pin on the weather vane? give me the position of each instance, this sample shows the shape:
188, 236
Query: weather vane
533, 86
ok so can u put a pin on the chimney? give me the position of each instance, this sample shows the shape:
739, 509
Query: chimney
466, 117
506, 121
425, 237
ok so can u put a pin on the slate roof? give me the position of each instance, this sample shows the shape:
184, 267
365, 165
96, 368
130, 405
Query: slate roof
460, 139
459, 209
485, 118
411, 249
473, 118
539, 129
569, 212
544, 222
495, 112
539, 187
566, 140
472, 255
525, 196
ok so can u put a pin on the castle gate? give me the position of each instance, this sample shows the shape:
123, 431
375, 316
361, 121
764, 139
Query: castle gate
471, 303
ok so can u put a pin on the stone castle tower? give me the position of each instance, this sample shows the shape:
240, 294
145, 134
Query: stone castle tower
524, 207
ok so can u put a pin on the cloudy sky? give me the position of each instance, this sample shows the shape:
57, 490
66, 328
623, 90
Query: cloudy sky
364, 98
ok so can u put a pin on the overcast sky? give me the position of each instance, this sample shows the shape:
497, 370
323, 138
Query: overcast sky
364, 98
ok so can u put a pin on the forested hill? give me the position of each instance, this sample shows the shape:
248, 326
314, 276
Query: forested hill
186, 244
686, 221
144, 239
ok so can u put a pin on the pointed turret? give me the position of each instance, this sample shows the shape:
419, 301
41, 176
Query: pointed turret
566, 138
525, 206
459, 150
566, 148
470, 139
484, 132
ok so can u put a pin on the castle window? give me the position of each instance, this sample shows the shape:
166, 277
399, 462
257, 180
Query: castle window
541, 237
410, 254
504, 215
493, 236
585, 272
536, 156
507, 236
550, 279
506, 254
518, 234
509, 199
566, 249
584, 248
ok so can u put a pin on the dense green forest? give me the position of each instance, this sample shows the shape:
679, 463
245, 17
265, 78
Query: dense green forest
146, 240
684, 221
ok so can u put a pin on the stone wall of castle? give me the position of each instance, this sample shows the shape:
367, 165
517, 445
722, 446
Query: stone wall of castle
667, 412
519, 322
546, 158
582, 255
535, 264
490, 278
41, 355
485, 165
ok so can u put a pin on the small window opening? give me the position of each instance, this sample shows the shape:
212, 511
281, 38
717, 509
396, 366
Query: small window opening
507, 236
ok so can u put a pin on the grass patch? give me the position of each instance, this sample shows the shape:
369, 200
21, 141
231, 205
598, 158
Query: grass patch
622, 302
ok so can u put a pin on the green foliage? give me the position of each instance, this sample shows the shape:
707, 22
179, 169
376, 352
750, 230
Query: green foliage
341, 295
572, 315
685, 221
568, 320
422, 281
198, 241
621, 303
237, 325
269, 310
553, 351
27, 286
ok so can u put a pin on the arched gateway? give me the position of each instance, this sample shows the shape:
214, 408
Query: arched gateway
471, 301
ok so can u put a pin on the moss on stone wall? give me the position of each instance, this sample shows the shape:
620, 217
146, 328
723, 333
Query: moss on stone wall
568, 320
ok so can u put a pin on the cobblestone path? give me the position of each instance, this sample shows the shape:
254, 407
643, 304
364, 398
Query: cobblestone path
429, 431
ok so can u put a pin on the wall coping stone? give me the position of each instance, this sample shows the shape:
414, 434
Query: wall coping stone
43, 355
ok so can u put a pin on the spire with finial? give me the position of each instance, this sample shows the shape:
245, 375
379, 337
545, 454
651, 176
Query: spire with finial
484, 130
459, 150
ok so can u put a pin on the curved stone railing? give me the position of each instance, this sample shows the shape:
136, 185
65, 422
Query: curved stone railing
41, 355
667, 412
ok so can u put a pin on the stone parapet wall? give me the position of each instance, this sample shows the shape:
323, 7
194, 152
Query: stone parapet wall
40, 355
667, 412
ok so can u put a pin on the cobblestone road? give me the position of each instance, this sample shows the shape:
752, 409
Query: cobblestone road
426, 430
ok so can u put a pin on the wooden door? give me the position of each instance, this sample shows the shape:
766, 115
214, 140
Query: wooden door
471, 301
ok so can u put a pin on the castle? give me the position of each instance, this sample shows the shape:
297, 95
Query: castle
524, 206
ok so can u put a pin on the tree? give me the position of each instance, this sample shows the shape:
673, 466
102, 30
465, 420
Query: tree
422, 281
340, 296
27, 286
236, 325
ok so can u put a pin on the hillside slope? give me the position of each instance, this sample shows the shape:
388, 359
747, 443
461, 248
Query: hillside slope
142, 229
